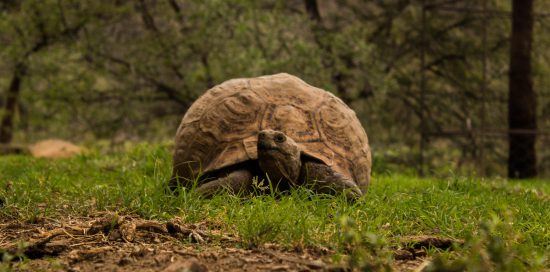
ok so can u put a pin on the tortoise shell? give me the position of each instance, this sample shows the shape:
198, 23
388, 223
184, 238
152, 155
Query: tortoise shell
220, 129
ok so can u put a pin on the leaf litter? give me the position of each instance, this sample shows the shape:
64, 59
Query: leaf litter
112, 242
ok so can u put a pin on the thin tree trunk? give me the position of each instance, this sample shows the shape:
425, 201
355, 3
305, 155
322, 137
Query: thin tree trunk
338, 78
313, 10
12, 98
522, 98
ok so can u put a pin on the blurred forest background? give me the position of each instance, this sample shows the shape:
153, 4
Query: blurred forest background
428, 79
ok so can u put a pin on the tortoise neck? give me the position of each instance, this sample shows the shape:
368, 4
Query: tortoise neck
279, 166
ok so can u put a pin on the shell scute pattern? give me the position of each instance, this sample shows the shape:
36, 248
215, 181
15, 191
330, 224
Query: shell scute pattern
237, 116
335, 125
233, 152
278, 90
192, 150
361, 173
219, 92
295, 122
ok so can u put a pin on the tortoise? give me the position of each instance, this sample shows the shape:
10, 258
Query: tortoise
274, 127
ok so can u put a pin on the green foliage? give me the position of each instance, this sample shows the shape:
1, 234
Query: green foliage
367, 251
491, 249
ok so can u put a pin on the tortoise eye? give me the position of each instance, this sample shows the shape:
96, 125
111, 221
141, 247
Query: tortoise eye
279, 138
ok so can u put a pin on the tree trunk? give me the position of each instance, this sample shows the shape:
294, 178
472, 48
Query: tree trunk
522, 119
12, 98
313, 10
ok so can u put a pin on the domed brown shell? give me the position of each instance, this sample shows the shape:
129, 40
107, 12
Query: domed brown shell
220, 129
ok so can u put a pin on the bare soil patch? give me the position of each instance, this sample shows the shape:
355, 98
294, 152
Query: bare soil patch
108, 242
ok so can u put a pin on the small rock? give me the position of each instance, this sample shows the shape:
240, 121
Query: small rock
54, 148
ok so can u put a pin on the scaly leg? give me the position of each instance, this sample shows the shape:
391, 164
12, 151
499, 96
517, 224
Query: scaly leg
322, 179
235, 182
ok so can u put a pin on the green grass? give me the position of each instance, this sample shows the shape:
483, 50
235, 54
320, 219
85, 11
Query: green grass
395, 205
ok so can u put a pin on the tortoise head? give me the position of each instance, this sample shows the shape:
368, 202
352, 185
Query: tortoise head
279, 156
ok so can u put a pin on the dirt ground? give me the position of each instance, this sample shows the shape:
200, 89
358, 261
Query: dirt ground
108, 242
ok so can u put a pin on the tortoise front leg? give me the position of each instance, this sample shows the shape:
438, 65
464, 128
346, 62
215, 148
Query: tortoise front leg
322, 179
236, 181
